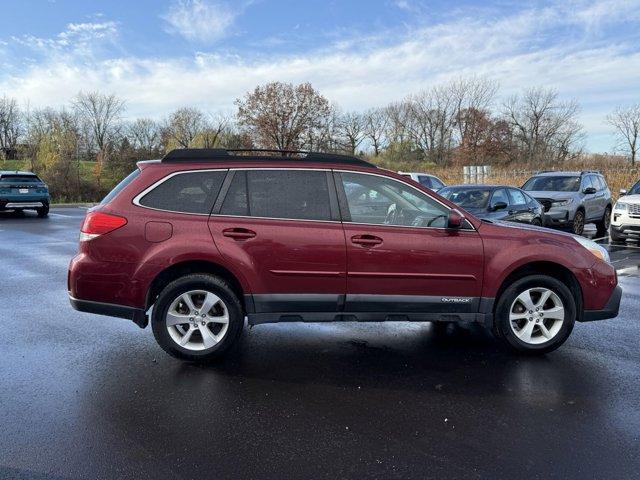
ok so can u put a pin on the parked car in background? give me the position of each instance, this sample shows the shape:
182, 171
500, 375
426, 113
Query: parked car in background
625, 223
496, 202
572, 199
424, 179
204, 238
23, 191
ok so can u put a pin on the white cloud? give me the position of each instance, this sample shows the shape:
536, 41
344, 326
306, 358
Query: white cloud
197, 20
77, 38
578, 62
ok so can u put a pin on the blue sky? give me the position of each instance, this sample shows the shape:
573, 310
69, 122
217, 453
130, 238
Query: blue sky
159, 55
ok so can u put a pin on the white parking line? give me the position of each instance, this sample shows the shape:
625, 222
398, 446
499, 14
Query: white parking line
60, 215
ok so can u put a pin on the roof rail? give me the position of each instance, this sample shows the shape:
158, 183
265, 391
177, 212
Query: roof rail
590, 171
240, 154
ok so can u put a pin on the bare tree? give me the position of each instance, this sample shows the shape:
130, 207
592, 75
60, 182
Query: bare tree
432, 117
472, 99
215, 126
102, 115
398, 119
144, 134
544, 128
10, 126
375, 126
351, 128
184, 125
283, 116
626, 122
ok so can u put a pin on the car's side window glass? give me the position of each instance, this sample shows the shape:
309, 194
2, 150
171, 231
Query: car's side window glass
425, 181
586, 182
235, 202
604, 182
294, 194
499, 196
517, 198
436, 184
189, 192
384, 201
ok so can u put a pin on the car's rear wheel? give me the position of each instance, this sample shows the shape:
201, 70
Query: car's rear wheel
603, 225
536, 222
535, 314
197, 317
43, 211
578, 223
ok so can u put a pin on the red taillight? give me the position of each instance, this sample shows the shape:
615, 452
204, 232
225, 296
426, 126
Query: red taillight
98, 223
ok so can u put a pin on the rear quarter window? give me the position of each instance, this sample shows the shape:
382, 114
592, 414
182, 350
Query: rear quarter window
185, 192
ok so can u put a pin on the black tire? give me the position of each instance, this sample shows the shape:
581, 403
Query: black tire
577, 227
536, 222
209, 283
615, 239
604, 224
503, 330
43, 211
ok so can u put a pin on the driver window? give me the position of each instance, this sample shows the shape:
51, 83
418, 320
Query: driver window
383, 201
499, 196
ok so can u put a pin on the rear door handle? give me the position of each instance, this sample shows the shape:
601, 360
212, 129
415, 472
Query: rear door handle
239, 233
366, 240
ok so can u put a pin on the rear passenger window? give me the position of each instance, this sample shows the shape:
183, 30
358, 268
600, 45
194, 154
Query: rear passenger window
517, 198
191, 192
293, 194
424, 181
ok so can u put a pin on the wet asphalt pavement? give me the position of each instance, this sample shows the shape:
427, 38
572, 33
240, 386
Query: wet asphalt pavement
85, 396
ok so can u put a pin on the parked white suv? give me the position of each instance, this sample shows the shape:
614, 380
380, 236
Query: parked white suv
426, 180
625, 222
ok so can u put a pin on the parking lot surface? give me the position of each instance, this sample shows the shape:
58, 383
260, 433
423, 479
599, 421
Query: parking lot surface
85, 396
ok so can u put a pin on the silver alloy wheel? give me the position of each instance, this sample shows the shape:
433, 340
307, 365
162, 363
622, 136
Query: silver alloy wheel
536, 315
197, 320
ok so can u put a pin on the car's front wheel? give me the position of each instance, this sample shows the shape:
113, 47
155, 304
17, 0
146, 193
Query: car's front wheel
578, 223
197, 317
535, 314
604, 224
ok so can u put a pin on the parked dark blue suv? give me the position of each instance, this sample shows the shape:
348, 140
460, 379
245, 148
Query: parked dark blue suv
23, 191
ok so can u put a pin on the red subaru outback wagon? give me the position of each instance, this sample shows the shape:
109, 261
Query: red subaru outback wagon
201, 239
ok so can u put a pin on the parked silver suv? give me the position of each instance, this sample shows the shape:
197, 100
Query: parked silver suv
572, 199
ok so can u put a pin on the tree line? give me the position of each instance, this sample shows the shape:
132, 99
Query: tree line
456, 123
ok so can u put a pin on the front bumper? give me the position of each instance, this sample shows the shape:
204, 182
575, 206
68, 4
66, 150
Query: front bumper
557, 217
137, 315
610, 310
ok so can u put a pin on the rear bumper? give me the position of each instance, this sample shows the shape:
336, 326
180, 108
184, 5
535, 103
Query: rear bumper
137, 315
12, 203
610, 310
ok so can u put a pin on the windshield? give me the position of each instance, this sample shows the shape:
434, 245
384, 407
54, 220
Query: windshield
20, 178
635, 190
553, 184
467, 197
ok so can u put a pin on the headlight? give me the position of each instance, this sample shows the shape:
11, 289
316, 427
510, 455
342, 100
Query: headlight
598, 250
562, 203
621, 206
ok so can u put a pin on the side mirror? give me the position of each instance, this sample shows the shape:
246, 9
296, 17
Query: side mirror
456, 219
498, 206
589, 191
623, 192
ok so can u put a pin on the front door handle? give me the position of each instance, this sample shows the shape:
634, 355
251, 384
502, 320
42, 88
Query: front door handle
366, 240
238, 233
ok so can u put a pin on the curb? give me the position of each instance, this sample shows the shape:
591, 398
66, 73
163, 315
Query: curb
72, 205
